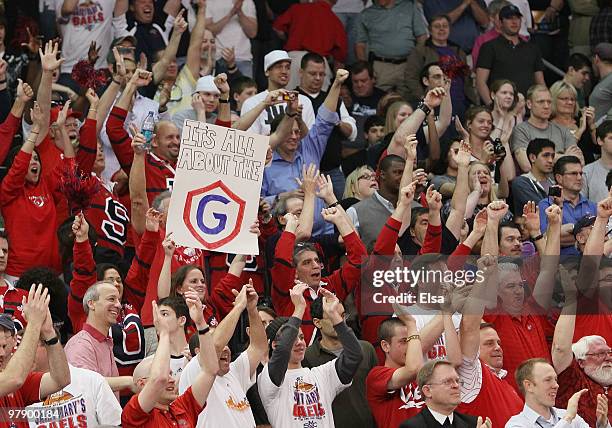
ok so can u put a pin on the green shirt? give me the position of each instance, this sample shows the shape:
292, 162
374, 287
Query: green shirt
391, 32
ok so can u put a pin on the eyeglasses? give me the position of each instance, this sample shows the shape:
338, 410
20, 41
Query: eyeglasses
602, 354
366, 177
449, 382
575, 173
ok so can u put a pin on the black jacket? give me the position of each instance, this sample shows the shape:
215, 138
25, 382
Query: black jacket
426, 420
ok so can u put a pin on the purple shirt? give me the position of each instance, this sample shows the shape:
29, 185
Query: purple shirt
90, 349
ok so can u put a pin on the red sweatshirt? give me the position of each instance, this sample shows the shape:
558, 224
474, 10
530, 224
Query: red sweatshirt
342, 282
30, 216
8, 129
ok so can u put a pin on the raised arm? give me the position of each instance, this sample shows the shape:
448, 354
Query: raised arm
226, 327
545, 284
165, 275
248, 118
49, 63
279, 361
138, 183
496, 210
59, 374
414, 353
455, 219
258, 342
307, 184
223, 112
194, 51
160, 67
35, 311
112, 90
331, 100
561, 351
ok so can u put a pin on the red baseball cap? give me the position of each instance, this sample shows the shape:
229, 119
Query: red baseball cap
55, 112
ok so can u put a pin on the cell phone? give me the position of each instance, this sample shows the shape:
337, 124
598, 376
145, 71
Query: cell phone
554, 191
289, 96
498, 148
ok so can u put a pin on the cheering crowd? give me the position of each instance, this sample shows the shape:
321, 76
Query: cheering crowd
433, 226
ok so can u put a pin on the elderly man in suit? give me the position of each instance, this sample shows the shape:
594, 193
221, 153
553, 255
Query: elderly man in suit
439, 384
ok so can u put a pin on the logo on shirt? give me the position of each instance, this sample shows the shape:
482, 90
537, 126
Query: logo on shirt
411, 396
87, 15
307, 402
38, 201
240, 406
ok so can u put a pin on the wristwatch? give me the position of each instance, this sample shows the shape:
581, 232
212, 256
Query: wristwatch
52, 341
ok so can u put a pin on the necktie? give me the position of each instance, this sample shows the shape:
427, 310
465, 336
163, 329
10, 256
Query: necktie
447, 423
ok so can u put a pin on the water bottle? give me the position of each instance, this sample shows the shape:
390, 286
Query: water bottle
148, 126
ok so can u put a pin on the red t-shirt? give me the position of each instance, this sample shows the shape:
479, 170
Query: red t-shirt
574, 379
10, 303
24, 396
182, 413
391, 408
523, 337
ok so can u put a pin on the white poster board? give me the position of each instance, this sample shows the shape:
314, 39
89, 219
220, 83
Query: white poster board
216, 190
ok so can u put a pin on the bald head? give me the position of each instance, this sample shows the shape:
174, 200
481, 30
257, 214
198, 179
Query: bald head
167, 140
142, 369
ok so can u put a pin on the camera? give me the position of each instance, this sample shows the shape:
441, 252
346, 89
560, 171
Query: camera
498, 148
290, 96
554, 191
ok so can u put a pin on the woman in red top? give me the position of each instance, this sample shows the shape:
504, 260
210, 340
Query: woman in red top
28, 202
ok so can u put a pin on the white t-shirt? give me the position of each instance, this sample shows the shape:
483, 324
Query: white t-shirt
87, 401
423, 316
232, 35
262, 123
305, 397
177, 365
90, 21
227, 403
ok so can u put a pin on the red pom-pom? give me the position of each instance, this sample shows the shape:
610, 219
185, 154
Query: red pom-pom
78, 187
86, 76
453, 66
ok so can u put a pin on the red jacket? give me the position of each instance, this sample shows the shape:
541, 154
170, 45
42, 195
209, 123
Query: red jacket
342, 282
30, 216
8, 129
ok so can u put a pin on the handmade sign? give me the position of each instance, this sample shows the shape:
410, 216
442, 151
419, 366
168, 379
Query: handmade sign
216, 190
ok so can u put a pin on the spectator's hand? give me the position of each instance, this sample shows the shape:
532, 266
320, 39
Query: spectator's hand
464, 155
403, 314
198, 103
24, 91
275, 97
48, 59
484, 424
410, 144
292, 222
36, 306
331, 306
309, 179
341, 76
486, 262
480, 222
297, 295
221, 83
602, 410
80, 228
63, 115
241, 297
407, 194
152, 220
589, 113
496, 210
141, 78
37, 116
420, 176
575, 151
434, 199
139, 142
487, 155
33, 44
254, 228
462, 131
531, 213
604, 208
92, 98
168, 245
332, 215
553, 214
93, 53
120, 71
47, 331
196, 309
251, 295
229, 55
434, 97
237, 8
161, 322
165, 93
180, 25
572, 405
325, 188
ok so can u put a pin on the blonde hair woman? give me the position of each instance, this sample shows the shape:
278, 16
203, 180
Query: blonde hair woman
396, 114
360, 185
565, 110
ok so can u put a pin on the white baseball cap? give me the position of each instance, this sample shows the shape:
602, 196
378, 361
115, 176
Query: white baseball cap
274, 57
206, 84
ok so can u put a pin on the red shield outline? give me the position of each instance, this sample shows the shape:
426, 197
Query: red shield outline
187, 211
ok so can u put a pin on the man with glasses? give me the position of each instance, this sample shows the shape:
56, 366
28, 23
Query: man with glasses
568, 175
439, 384
538, 383
539, 125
